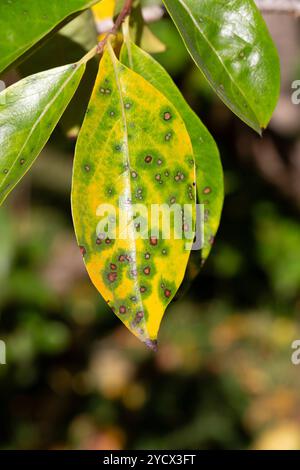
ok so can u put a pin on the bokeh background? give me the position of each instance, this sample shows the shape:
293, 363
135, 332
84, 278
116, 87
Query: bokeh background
222, 379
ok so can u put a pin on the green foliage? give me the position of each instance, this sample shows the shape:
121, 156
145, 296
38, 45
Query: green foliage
136, 112
231, 45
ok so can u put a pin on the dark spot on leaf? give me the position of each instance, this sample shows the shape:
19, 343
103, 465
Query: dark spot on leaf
167, 293
147, 270
122, 309
82, 250
152, 344
112, 277
207, 190
167, 116
153, 241
148, 159
139, 316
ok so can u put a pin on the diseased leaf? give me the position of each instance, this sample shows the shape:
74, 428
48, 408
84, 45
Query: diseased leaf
209, 173
231, 45
24, 23
29, 111
133, 149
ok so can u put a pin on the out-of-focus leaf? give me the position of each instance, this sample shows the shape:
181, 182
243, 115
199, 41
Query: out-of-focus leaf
231, 45
29, 111
209, 173
24, 24
278, 250
82, 30
133, 149
175, 58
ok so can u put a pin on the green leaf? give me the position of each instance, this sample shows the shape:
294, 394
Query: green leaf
209, 173
231, 45
23, 24
133, 149
65, 47
29, 111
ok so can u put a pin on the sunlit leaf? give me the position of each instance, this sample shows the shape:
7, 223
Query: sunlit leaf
24, 23
231, 45
209, 173
133, 149
29, 111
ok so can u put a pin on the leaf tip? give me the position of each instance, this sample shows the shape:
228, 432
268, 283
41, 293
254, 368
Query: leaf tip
152, 344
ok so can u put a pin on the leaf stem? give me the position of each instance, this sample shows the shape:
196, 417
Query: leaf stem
113, 31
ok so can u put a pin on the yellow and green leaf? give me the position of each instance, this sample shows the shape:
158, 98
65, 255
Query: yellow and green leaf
133, 149
29, 111
209, 173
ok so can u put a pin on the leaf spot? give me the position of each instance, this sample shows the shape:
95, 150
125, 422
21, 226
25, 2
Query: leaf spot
207, 190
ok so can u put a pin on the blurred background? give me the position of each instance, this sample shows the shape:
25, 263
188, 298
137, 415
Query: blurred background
223, 378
